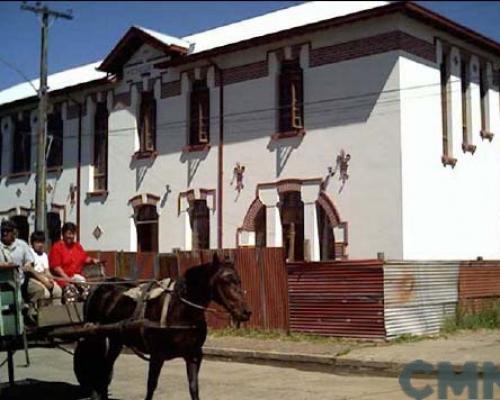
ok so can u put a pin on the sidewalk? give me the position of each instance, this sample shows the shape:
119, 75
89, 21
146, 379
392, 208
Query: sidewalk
361, 358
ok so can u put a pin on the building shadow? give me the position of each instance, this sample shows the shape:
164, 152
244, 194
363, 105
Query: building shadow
42, 390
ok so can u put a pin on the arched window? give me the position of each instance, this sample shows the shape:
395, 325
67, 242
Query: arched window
146, 220
53, 227
199, 218
21, 151
101, 147
147, 122
292, 221
23, 228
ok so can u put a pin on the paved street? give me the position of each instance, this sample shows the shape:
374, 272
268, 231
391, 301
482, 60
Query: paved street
219, 380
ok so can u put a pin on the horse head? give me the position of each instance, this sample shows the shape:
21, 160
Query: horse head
227, 291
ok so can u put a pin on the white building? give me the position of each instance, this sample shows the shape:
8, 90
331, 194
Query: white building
362, 127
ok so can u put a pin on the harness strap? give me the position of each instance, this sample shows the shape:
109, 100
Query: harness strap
166, 304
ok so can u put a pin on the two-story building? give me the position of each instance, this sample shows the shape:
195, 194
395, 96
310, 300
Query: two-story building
335, 129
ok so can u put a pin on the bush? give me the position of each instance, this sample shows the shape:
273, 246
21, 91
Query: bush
485, 318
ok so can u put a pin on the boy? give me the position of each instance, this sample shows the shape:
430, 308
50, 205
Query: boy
39, 274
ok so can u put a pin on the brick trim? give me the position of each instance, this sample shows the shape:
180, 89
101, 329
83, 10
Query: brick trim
377, 44
243, 73
170, 89
253, 210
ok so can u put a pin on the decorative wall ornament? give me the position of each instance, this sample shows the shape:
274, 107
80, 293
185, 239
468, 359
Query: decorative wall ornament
97, 232
32, 204
72, 194
19, 192
342, 165
50, 188
238, 172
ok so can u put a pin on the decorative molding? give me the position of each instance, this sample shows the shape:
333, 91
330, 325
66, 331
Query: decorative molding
468, 148
170, 89
372, 45
487, 135
144, 199
447, 160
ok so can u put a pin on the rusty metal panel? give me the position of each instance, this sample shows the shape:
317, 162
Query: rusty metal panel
479, 285
419, 296
167, 266
146, 265
109, 258
340, 298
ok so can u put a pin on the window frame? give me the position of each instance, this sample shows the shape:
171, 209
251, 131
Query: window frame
100, 154
199, 114
21, 160
147, 123
55, 157
291, 98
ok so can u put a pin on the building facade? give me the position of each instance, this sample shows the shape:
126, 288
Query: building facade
360, 129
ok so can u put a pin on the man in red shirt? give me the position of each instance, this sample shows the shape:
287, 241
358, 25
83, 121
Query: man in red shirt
67, 257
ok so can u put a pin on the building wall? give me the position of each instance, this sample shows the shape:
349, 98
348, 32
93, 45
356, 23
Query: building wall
379, 104
448, 213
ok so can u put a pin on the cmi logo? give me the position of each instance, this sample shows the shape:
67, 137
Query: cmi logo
458, 382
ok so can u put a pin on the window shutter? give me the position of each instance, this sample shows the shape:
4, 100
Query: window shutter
151, 131
291, 96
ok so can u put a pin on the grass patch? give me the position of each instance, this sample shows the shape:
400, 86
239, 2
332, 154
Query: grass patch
487, 318
409, 338
279, 335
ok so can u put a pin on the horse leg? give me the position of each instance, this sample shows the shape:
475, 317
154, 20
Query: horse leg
193, 363
155, 366
114, 350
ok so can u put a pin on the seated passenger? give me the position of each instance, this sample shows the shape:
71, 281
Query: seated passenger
67, 257
39, 275
17, 251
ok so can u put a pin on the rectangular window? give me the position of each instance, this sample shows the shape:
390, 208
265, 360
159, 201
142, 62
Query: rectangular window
447, 158
199, 217
147, 122
483, 91
466, 123
199, 110
291, 94
21, 150
101, 147
55, 140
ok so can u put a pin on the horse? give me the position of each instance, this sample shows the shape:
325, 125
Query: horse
184, 336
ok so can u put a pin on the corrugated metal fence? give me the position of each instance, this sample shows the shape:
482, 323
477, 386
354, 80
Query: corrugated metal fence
418, 296
364, 299
343, 298
262, 271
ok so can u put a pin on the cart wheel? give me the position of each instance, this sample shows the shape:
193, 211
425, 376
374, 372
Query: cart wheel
89, 364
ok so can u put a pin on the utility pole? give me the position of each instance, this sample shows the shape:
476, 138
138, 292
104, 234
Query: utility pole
41, 165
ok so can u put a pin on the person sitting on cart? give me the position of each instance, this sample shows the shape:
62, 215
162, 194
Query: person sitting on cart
17, 251
67, 257
40, 275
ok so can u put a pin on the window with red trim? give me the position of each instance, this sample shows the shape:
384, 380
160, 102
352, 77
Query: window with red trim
101, 147
147, 122
291, 96
199, 114
21, 151
55, 140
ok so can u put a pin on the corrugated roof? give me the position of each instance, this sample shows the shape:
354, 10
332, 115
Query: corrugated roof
59, 80
165, 39
280, 20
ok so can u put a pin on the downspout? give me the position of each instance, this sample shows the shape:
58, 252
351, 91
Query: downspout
220, 174
78, 170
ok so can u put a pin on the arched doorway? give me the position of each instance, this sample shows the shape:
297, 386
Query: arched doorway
146, 220
199, 218
292, 221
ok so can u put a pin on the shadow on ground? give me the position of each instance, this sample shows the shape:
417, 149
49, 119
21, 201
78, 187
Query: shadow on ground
42, 390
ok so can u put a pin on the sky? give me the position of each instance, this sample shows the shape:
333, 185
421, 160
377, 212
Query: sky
98, 26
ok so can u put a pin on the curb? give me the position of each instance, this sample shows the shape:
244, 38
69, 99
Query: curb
308, 362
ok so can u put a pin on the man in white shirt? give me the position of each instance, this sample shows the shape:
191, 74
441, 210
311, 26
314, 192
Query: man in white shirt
41, 284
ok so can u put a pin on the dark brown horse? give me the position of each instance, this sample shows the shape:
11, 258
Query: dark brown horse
96, 355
